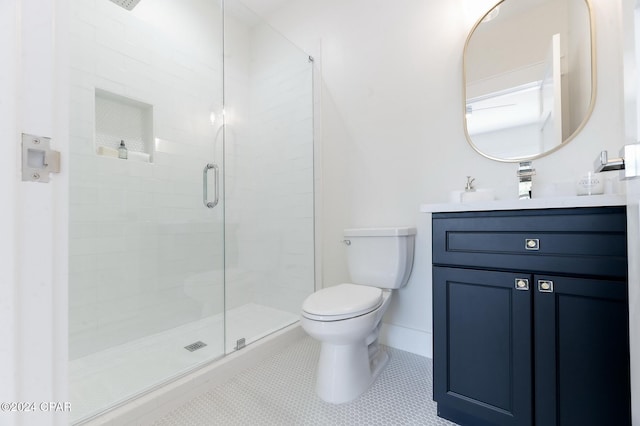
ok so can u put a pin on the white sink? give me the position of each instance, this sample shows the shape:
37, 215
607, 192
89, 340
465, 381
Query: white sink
471, 196
477, 195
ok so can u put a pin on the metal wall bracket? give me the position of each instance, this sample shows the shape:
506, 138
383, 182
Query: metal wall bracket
240, 343
38, 159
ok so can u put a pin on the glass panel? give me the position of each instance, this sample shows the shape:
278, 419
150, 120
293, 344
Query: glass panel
269, 223
146, 254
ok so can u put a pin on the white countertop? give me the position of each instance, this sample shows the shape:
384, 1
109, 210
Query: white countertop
535, 203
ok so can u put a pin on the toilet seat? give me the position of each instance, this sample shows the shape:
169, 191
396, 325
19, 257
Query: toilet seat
341, 302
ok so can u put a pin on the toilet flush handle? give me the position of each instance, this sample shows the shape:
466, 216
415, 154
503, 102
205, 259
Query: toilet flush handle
347, 242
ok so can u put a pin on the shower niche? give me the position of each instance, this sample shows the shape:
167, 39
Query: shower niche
118, 118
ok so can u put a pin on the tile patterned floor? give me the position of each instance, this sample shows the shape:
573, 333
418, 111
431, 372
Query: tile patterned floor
280, 391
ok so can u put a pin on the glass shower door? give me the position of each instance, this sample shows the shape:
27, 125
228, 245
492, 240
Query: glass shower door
269, 179
146, 273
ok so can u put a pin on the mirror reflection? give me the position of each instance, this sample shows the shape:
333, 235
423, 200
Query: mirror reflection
529, 77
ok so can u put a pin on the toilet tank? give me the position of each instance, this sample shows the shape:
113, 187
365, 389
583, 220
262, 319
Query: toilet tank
380, 257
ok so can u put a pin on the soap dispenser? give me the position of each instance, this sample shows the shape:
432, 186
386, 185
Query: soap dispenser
122, 151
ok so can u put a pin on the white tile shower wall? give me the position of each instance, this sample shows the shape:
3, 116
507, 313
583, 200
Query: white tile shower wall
145, 255
270, 160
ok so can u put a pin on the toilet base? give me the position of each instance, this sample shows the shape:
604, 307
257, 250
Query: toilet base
378, 363
346, 371
350, 357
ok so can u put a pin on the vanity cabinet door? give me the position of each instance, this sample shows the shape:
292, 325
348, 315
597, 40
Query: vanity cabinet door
581, 352
482, 346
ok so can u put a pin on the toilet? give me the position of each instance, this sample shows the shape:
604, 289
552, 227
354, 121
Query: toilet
346, 318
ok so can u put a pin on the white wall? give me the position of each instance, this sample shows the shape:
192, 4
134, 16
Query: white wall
392, 126
33, 248
9, 172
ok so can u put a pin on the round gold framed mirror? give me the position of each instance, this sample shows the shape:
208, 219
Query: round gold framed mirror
529, 70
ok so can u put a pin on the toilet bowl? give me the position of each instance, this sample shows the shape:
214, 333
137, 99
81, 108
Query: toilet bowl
350, 357
346, 318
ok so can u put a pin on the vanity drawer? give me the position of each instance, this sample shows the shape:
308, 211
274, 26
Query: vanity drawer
585, 241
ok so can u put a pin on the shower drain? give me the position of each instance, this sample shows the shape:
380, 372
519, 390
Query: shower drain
195, 346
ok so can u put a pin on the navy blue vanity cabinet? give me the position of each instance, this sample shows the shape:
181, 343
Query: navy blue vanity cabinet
530, 314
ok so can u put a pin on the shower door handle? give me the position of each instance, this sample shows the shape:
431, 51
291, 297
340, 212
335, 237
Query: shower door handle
205, 191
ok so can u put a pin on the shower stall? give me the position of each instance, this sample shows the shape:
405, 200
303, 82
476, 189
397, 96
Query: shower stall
201, 240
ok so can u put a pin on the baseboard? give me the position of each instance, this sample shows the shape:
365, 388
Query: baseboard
407, 339
153, 405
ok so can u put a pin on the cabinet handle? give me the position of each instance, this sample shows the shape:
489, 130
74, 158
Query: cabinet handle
532, 244
522, 284
545, 286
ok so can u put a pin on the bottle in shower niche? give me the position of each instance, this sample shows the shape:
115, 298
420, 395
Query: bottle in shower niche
122, 151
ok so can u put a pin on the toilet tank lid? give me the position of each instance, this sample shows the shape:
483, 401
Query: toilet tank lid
380, 232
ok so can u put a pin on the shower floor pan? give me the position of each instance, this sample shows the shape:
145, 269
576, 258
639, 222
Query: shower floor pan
117, 374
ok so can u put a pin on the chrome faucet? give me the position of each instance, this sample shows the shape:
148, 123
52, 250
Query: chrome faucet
469, 186
525, 179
